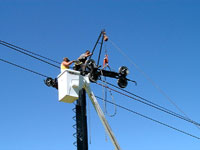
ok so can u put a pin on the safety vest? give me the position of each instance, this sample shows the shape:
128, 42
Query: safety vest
62, 67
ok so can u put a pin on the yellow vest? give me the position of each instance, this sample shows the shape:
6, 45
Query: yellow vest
62, 67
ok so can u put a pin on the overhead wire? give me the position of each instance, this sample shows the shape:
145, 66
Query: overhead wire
150, 80
148, 101
156, 107
149, 118
8, 62
105, 66
104, 90
163, 109
1, 41
109, 102
15, 49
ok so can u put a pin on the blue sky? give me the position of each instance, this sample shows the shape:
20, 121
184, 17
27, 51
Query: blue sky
160, 36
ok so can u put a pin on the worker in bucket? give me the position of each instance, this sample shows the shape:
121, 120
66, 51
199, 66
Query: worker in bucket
65, 64
80, 63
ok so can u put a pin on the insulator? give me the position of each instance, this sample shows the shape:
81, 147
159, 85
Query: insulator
48, 81
123, 71
55, 83
90, 65
93, 77
122, 82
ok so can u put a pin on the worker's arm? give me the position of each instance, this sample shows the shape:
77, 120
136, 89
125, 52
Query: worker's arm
86, 55
67, 64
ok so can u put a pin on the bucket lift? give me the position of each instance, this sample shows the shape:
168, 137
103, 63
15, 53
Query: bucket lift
69, 85
70, 82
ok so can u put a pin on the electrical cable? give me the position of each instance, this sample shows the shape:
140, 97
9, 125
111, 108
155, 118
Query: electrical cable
97, 96
178, 116
159, 122
162, 108
149, 101
105, 97
23, 68
29, 52
29, 55
150, 80
110, 102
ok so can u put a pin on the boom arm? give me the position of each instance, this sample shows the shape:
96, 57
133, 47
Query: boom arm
69, 83
102, 117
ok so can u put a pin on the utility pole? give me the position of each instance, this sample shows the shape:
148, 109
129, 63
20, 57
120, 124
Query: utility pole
73, 85
81, 121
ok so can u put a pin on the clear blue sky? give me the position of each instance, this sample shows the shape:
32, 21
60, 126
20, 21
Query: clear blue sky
160, 36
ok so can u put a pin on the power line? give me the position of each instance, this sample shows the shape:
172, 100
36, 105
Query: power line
159, 122
156, 106
23, 68
177, 115
148, 78
151, 81
164, 110
29, 55
30, 52
151, 103
138, 97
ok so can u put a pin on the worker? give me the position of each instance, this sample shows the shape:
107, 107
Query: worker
83, 57
80, 63
65, 64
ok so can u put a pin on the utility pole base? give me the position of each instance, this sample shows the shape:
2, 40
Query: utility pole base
81, 122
